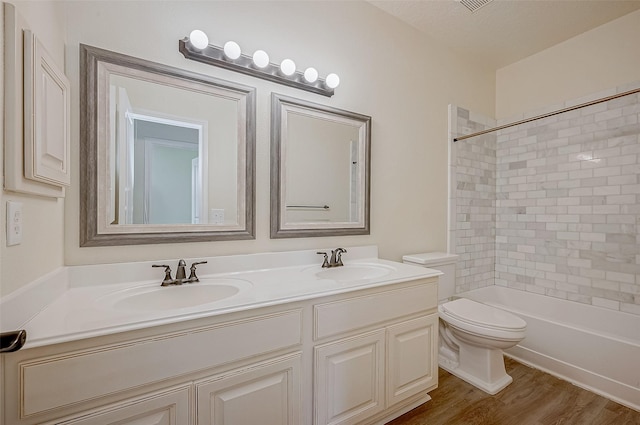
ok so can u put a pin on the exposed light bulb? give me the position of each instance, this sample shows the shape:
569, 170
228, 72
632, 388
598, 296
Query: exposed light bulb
198, 39
288, 67
260, 58
232, 50
311, 75
332, 81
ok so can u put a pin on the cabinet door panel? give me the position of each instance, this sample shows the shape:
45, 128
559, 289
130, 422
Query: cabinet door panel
412, 357
265, 394
170, 407
349, 379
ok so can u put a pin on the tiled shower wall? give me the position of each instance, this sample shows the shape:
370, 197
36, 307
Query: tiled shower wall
473, 201
567, 205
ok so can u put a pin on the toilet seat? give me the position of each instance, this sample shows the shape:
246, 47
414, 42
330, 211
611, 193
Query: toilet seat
482, 320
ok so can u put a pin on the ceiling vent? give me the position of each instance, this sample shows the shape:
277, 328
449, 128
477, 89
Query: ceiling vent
474, 5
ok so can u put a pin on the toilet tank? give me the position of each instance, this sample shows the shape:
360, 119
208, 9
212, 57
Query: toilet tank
441, 261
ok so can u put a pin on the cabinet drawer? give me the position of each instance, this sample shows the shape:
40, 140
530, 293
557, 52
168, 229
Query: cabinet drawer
169, 407
52, 382
337, 317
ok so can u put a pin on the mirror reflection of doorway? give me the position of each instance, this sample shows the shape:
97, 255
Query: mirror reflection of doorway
167, 191
166, 171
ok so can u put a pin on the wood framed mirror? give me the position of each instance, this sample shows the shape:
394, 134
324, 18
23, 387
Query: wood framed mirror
166, 155
320, 170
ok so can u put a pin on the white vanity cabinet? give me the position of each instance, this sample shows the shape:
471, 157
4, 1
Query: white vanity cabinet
380, 357
358, 356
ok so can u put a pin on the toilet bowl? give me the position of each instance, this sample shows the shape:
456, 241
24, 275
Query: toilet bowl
472, 334
472, 337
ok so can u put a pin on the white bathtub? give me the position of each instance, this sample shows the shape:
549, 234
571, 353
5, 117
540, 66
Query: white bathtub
592, 347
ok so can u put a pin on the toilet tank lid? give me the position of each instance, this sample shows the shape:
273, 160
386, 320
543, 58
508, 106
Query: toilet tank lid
430, 258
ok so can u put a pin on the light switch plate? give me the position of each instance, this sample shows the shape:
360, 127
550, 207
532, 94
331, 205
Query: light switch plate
14, 223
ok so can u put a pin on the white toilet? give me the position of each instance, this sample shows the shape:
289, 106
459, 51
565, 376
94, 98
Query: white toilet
472, 334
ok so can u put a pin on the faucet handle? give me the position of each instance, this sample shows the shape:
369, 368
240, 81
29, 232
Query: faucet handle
192, 275
325, 263
167, 274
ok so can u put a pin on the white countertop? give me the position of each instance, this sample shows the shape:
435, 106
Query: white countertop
79, 300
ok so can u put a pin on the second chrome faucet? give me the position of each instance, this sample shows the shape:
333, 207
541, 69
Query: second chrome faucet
181, 276
335, 260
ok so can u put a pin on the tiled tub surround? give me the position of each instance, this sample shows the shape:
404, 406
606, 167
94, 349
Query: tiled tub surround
473, 201
567, 204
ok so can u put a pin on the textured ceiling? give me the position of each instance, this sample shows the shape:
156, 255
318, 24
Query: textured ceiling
505, 31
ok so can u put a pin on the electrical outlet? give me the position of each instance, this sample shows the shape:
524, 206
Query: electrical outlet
216, 216
14, 223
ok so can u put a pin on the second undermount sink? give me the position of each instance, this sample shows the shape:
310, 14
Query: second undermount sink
353, 272
155, 297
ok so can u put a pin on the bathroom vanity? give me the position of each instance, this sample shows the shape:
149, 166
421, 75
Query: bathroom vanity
295, 344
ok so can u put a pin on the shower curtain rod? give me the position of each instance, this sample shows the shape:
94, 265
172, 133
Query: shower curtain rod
550, 114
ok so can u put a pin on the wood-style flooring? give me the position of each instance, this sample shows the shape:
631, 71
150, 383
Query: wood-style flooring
533, 398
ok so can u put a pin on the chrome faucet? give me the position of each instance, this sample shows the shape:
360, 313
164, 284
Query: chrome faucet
180, 273
336, 258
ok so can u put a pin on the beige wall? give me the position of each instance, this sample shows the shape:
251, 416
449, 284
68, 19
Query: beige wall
388, 71
603, 58
42, 247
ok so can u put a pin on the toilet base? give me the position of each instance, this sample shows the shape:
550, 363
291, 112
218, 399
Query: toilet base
481, 366
493, 387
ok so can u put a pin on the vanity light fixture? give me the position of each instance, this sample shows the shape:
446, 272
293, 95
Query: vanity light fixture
196, 47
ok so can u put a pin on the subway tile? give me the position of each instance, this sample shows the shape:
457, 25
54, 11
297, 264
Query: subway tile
580, 227
620, 277
608, 114
581, 191
621, 199
608, 171
621, 180
631, 189
622, 121
593, 237
568, 218
606, 209
606, 190
579, 280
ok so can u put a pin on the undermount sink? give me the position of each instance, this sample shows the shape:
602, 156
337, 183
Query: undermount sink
353, 272
155, 297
